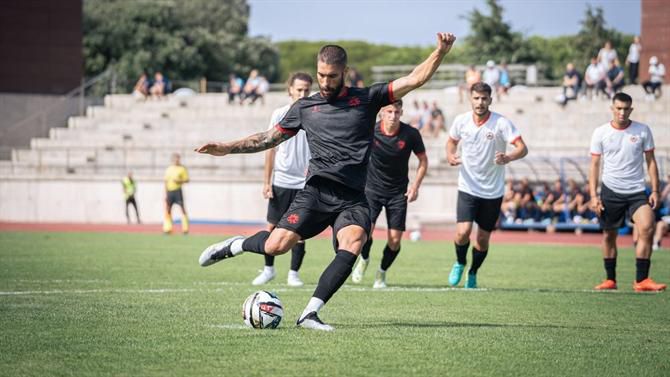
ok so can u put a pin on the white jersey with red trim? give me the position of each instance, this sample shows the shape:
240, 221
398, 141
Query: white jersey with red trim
479, 175
291, 158
622, 153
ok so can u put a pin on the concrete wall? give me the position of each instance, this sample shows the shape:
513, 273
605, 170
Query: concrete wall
100, 200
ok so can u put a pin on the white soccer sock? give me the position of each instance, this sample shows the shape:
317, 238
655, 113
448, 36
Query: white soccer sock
269, 269
236, 246
292, 273
314, 305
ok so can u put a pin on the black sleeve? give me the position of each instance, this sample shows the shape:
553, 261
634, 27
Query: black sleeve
418, 146
291, 122
381, 94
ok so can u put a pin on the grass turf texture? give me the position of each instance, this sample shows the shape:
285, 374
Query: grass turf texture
139, 305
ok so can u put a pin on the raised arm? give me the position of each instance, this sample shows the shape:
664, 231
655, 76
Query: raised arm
424, 71
251, 144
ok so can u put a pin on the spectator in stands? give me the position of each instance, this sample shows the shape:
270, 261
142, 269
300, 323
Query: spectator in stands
250, 87
633, 60
572, 82
129, 190
158, 86
548, 209
508, 206
414, 115
662, 214
594, 78
235, 85
606, 56
141, 89
559, 201
505, 81
614, 80
527, 207
491, 75
656, 73
437, 122
581, 212
426, 118
472, 76
354, 79
175, 177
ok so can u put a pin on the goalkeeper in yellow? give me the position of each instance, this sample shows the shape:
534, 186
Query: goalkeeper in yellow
175, 176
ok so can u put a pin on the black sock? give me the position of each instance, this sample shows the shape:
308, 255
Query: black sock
462, 253
477, 259
642, 269
297, 254
269, 260
256, 243
365, 251
335, 275
610, 268
388, 257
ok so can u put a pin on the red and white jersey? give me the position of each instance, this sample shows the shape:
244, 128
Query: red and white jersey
291, 158
479, 175
622, 153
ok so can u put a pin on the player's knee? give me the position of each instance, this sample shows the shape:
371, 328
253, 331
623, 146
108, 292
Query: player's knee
462, 236
277, 245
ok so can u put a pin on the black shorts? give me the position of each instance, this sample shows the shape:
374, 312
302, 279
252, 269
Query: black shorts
617, 206
175, 197
396, 209
484, 212
131, 200
281, 200
324, 203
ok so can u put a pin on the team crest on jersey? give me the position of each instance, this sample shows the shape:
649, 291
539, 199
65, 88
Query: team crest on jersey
401, 144
377, 143
293, 218
354, 101
634, 139
489, 135
316, 109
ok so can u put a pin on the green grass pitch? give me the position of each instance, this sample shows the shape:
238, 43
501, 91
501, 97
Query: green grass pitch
88, 304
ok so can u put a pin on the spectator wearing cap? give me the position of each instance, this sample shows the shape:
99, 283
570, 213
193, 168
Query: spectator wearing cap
491, 75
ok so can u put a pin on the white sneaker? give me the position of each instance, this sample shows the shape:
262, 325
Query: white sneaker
217, 252
380, 280
311, 321
293, 280
359, 271
264, 277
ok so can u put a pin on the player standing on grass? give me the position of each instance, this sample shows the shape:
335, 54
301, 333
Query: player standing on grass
483, 136
289, 163
387, 185
624, 145
339, 122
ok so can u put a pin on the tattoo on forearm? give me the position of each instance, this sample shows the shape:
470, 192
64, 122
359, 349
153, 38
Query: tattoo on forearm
259, 142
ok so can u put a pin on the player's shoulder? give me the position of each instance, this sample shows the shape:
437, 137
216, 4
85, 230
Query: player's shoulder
640, 126
406, 128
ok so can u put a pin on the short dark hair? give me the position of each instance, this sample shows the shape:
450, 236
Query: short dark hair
397, 103
481, 87
302, 76
622, 97
333, 55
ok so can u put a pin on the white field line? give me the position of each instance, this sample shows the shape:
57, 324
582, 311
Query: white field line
226, 286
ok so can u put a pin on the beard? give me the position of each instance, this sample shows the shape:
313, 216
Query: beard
330, 93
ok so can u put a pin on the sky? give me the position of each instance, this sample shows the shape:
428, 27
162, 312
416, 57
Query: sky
407, 22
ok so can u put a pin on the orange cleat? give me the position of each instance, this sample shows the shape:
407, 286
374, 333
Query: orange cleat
605, 285
648, 285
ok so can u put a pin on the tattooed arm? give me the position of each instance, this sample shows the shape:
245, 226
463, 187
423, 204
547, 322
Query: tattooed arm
251, 144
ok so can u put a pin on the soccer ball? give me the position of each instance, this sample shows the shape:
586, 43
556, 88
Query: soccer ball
262, 310
415, 235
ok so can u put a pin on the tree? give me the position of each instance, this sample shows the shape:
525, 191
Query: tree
593, 35
186, 40
492, 38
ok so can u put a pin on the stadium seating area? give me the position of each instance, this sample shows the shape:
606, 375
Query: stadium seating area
125, 135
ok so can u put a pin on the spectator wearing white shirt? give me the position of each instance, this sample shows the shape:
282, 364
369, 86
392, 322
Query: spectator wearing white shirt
594, 78
606, 55
656, 73
633, 59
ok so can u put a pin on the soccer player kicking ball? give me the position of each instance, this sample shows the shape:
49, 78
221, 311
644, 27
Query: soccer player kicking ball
387, 185
339, 123
289, 163
483, 136
624, 145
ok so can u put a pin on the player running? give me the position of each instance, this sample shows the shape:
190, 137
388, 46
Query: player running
483, 136
624, 145
387, 185
339, 122
289, 163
